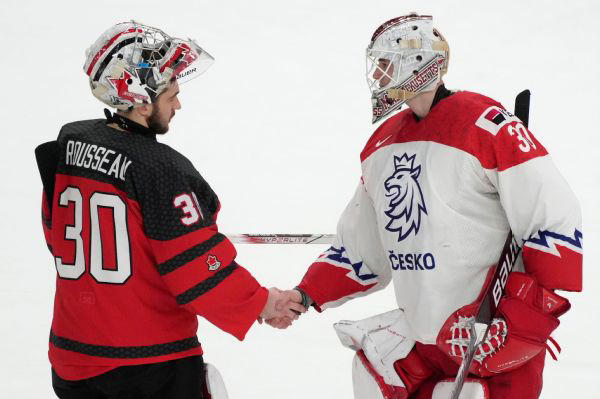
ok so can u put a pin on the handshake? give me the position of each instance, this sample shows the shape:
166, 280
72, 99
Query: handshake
283, 307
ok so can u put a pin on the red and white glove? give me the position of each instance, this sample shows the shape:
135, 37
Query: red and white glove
460, 335
528, 317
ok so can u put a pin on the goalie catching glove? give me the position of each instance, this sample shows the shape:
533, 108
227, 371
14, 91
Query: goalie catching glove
529, 314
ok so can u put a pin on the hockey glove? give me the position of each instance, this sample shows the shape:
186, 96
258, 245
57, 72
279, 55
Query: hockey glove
528, 317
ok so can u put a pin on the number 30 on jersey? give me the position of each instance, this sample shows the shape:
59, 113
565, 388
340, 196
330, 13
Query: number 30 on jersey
96, 201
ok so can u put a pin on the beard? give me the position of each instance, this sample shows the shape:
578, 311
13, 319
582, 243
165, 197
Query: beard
156, 124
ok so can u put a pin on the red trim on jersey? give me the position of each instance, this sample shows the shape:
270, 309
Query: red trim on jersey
564, 272
324, 282
451, 122
165, 250
106, 46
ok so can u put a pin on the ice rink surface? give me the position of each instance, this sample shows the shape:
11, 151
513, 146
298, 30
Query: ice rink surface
276, 126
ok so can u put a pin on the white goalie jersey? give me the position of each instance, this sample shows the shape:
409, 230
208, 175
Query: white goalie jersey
433, 208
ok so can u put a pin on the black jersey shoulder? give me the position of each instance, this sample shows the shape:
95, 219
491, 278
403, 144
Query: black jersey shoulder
148, 157
154, 175
144, 149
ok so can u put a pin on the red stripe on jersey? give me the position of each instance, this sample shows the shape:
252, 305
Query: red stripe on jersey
106, 47
451, 122
564, 272
166, 250
325, 283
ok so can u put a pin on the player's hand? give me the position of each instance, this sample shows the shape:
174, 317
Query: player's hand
279, 322
285, 322
282, 304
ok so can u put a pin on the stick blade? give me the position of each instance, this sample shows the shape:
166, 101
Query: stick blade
522, 102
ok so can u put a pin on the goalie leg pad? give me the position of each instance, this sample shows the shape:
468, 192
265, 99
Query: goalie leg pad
383, 339
215, 387
368, 384
473, 388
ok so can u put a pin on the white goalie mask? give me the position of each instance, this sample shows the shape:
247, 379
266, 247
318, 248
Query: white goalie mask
406, 56
131, 64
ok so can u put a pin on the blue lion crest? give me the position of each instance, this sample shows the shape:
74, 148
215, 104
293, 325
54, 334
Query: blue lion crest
406, 198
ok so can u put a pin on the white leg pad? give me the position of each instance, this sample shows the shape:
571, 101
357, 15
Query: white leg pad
383, 338
472, 389
368, 384
214, 383
365, 386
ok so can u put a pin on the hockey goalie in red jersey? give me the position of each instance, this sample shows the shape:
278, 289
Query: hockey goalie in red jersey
131, 226
443, 182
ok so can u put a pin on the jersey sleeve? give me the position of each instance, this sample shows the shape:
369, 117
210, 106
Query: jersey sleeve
197, 262
541, 209
46, 221
354, 265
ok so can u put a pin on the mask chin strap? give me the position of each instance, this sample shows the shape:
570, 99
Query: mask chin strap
128, 124
400, 94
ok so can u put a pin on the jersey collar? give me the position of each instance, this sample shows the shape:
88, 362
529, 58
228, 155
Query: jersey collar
440, 94
128, 125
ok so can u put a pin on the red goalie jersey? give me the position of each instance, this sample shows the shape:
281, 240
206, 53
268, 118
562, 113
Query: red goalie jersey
132, 229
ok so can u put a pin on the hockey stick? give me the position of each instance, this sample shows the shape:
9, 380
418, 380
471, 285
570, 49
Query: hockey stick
281, 238
488, 307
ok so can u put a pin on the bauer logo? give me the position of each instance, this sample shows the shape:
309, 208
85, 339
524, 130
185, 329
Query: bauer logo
406, 202
186, 73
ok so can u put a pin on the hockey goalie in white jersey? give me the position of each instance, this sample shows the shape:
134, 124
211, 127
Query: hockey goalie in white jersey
442, 184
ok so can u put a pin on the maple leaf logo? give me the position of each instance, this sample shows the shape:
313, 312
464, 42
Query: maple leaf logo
213, 263
128, 88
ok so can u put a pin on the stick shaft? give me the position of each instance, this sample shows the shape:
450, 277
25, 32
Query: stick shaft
289, 238
508, 258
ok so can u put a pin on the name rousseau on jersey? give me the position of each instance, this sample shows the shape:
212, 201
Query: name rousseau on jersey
96, 157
